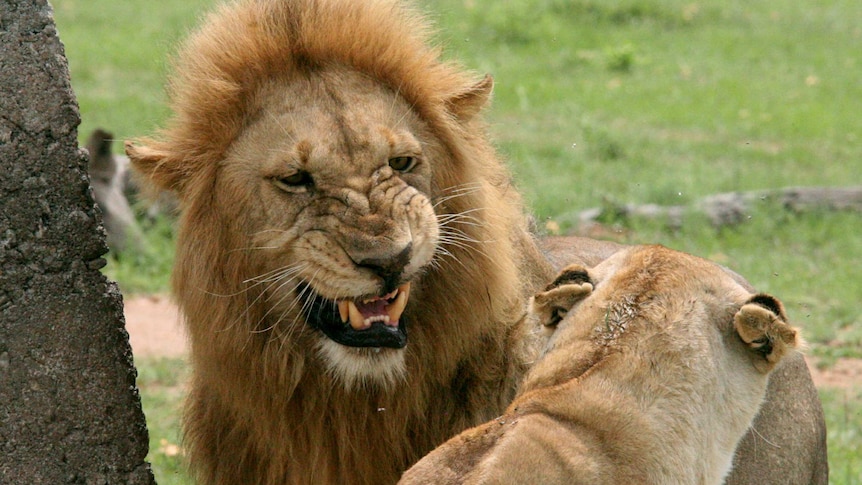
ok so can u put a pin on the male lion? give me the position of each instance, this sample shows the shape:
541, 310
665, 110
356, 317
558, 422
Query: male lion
657, 366
353, 263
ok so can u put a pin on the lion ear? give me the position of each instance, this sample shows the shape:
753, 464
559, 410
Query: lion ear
469, 102
160, 168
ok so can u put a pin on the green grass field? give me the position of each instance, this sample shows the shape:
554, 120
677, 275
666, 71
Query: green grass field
597, 102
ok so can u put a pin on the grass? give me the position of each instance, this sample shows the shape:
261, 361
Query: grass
161, 383
844, 433
714, 96
118, 55
622, 101
146, 270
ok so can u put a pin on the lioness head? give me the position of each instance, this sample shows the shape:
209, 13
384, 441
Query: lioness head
666, 302
321, 179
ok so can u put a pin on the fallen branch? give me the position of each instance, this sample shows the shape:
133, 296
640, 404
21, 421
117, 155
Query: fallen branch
732, 207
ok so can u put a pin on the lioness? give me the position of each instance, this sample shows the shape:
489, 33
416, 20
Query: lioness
353, 263
656, 368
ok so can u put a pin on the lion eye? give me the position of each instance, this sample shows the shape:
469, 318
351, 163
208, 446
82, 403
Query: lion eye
402, 164
294, 181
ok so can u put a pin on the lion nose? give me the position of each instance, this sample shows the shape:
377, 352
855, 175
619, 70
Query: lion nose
389, 267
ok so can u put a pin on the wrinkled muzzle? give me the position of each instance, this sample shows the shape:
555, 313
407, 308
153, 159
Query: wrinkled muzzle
389, 250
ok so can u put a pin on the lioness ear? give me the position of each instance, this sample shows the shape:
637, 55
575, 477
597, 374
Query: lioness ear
468, 103
571, 274
157, 167
761, 324
572, 285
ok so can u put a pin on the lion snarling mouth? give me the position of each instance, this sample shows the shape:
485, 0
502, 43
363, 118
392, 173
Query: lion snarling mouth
369, 322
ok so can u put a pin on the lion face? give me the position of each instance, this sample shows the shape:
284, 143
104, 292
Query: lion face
313, 210
333, 198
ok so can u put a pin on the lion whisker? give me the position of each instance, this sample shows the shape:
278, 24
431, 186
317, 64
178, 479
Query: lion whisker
471, 186
258, 280
270, 280
438, 201
456, 234
266, 231
283, 333
465, 187
460, 219
253, 248
274, 289
464, 247
461, 214
284, 337
283, 295
277, 273
291, 328
458, 239
445, 257
245, 313
276, 282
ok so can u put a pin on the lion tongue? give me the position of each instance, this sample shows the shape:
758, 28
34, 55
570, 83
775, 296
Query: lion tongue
386, 310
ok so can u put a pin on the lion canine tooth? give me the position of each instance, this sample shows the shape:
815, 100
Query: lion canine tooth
396, 308
343, 311
349, 312
357, 321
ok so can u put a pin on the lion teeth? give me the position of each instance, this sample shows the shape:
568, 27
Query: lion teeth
357, 321
343, 310
388, 296
396, 308
350, 313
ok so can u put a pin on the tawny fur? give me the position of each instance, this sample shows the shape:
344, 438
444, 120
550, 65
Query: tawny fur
271, 400
264, 406
651, 377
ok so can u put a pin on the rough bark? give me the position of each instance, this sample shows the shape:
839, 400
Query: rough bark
69, 408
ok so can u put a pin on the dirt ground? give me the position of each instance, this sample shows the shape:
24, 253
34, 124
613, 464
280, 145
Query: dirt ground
155, 330
154, 327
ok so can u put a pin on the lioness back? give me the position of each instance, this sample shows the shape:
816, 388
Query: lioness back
656, 365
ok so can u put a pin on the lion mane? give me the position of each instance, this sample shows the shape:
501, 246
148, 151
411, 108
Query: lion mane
263, 406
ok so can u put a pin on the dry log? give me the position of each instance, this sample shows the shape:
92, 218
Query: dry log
733, 207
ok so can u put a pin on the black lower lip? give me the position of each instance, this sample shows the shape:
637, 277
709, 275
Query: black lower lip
323, 315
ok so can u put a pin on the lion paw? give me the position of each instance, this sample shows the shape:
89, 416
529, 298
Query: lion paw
572, 285
761, 324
